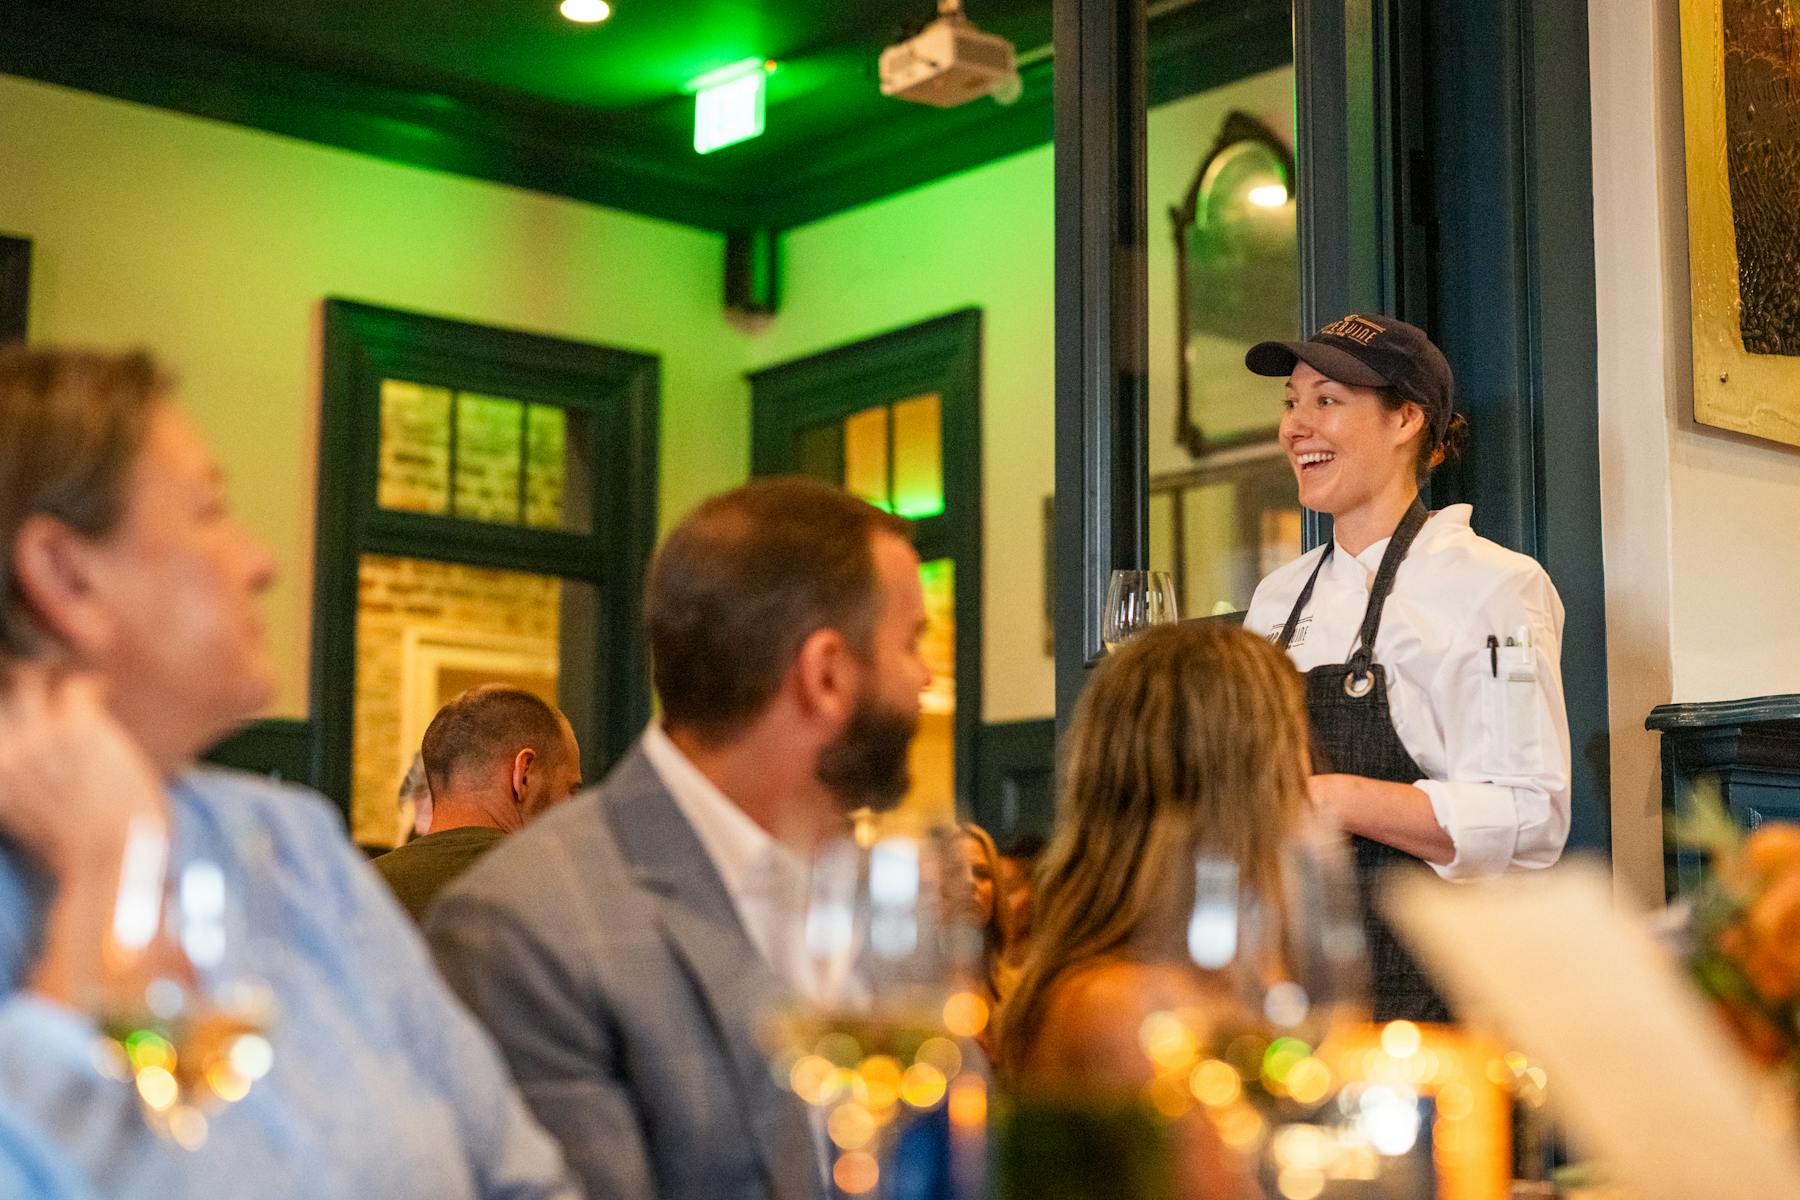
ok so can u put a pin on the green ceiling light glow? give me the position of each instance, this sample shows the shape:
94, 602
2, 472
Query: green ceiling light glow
586, 12
728, 104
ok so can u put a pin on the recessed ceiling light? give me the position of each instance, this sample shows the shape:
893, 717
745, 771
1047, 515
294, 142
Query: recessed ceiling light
586, 12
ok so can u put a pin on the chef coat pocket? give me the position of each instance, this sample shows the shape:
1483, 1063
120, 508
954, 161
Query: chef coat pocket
1514, 712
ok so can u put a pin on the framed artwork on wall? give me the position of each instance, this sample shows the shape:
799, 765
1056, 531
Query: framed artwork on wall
1741, 102
15, 287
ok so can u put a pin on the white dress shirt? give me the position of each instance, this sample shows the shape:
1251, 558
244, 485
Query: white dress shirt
1487, 726
765, 880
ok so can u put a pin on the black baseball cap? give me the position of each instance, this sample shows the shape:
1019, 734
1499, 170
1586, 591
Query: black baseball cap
1370, 351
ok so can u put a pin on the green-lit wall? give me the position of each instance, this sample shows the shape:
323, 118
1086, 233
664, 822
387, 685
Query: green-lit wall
215, 245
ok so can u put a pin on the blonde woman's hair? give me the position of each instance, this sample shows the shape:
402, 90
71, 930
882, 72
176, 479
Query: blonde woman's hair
1191, 739
72, 423
993, 933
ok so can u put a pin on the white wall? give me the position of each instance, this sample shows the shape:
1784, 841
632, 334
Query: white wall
1701, 566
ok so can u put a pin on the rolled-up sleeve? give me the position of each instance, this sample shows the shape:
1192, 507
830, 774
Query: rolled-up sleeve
1504, 800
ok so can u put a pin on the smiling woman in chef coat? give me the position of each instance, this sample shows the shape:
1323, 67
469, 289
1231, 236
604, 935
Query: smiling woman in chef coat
1432, 654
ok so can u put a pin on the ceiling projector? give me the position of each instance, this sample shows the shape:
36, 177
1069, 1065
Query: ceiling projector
950, 62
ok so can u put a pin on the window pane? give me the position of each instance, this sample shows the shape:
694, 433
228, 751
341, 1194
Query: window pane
1223, 276
1162, 542
415, 447
866, 456
918, 458
933, 758
488, 451
1280, 538
426, 632
546, 448
559, 489
1210, 528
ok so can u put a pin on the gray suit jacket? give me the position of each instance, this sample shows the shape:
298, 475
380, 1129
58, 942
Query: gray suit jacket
601, 950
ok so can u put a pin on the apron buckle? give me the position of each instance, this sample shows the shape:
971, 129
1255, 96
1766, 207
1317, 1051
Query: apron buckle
1358, 684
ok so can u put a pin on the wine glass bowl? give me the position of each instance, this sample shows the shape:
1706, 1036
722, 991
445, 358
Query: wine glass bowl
178, 1020
882, 1051
1281, 971
1136, 601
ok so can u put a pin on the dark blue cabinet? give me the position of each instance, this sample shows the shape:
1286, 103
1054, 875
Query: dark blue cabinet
1751, 746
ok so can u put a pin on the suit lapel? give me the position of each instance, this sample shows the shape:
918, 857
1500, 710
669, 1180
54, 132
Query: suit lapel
731, 976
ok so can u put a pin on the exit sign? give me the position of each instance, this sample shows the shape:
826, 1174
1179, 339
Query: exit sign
728, 104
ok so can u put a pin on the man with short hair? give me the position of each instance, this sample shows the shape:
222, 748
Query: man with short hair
495, 757
623, 949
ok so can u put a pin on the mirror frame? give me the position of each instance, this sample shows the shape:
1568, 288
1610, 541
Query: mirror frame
1239, 127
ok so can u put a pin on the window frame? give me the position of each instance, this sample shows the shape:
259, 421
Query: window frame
15, 287
619, 393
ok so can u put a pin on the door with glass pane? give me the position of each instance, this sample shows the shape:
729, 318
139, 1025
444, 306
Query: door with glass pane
486, 511
1223, 274
895, 421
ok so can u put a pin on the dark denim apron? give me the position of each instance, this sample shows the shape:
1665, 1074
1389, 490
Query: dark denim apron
1353, 733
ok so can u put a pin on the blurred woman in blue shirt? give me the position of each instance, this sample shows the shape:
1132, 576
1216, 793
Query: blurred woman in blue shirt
129, 642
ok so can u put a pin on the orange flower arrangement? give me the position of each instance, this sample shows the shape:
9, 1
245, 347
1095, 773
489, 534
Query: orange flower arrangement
1745, 949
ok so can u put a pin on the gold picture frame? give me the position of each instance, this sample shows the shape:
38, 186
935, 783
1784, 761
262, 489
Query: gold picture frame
1734, 387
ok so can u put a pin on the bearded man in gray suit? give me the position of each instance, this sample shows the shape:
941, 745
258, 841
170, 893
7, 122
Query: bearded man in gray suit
623, 948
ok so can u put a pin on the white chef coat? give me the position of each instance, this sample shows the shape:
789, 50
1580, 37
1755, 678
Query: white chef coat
1488, 727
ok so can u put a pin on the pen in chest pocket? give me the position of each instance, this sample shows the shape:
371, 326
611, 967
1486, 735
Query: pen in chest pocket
1516, 652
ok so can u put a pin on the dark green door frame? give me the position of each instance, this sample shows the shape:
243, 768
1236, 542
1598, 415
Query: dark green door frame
1102, 338
1503, 201
15, 288
620, 393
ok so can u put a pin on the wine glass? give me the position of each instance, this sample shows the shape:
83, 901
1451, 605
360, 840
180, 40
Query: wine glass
883, 1051
1284, 972
180, 1018
1136, 601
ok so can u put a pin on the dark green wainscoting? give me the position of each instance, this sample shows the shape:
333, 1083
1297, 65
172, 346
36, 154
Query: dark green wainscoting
281, 747
1015, 778
1751, 746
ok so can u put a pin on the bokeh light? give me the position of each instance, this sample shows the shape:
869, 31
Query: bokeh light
965, 1014
856, 1173
851, 1127
969, 1103
157, 1087
1400, 1039
1216, 1084
922, 1086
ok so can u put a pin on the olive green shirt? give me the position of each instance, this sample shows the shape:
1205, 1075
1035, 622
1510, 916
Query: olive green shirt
418, 869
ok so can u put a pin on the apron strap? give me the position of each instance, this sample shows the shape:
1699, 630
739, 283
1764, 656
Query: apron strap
1391, 558
1398, 545
1287, 631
